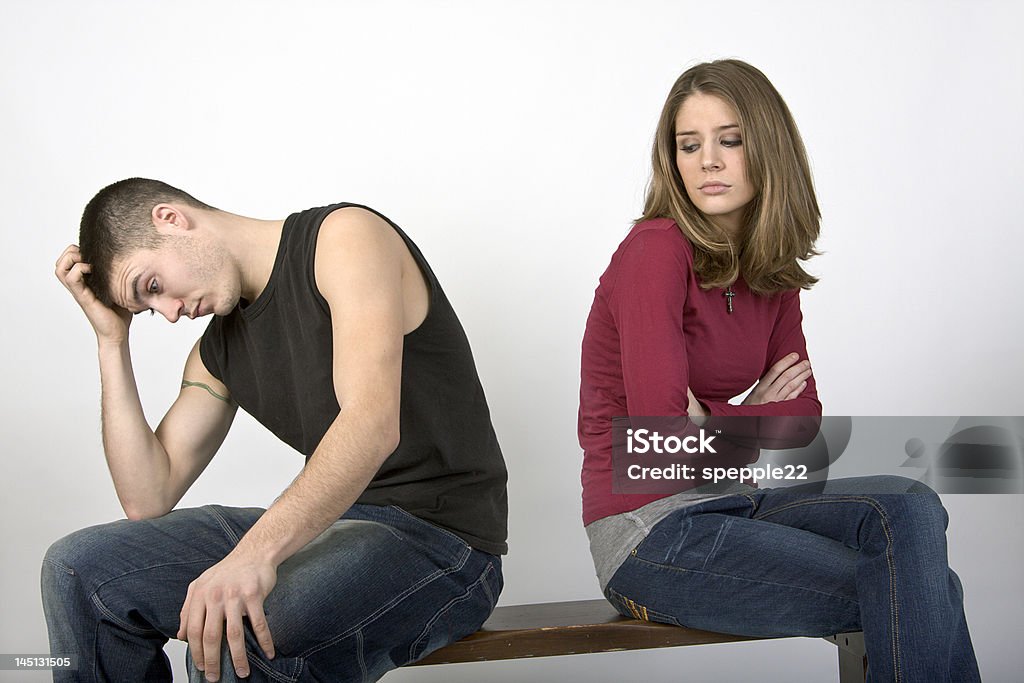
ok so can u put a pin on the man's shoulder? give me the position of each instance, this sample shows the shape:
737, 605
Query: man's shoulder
354, 232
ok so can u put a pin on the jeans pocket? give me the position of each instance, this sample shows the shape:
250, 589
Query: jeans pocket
635, 610
419, 520
666, 539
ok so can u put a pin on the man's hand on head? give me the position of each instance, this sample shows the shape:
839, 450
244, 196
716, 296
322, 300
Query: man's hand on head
214, 606
110, 324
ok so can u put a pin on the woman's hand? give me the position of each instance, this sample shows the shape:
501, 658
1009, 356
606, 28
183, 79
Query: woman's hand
110, 324
694, 408
784, 381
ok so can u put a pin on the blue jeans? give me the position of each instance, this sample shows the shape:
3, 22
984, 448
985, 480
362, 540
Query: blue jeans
866, 553
377, 590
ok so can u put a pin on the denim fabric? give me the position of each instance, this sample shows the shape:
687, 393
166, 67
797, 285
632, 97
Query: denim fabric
377, 590
866, 553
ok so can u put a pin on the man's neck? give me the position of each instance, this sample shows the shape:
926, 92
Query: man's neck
252, 244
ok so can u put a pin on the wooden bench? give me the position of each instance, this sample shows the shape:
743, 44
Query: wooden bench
584, 626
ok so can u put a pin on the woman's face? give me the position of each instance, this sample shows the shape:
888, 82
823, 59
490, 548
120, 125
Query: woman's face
709, 156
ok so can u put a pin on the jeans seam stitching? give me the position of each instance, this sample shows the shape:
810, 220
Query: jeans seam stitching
386, 607
60, 565
893, 603
743, 578
95, 599
719, 539
481, 581
458, 539
145, 569
277, 675
491, 597
223, 524
360, 657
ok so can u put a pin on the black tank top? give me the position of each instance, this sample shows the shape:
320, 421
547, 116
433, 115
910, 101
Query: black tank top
275, 355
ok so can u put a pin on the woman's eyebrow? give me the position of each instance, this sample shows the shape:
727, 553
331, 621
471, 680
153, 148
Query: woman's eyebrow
693, 132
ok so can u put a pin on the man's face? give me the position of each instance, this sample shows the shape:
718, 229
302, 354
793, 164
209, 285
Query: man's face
185, 276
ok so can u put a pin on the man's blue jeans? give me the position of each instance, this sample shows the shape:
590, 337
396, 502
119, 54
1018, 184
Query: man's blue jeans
866, 553
377, 590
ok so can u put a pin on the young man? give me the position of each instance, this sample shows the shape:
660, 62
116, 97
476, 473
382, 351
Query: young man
330, 329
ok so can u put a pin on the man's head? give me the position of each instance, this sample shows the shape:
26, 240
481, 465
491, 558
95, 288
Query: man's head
119, 221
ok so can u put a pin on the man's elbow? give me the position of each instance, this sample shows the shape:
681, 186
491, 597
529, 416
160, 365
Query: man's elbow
390, 436
381, 432
138, 510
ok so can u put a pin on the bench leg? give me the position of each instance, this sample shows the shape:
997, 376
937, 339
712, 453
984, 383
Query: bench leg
853, 662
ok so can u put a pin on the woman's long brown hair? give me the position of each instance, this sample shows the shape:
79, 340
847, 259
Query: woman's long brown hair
781, 222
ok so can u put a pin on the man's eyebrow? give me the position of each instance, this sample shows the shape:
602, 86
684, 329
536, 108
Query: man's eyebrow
135, 289
693, 132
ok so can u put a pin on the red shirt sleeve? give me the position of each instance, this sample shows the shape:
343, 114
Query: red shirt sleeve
646, 303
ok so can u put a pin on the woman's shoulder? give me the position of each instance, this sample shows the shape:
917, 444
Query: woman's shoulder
660, 235
654, 251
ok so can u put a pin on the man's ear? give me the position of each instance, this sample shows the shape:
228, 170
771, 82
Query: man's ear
170, 220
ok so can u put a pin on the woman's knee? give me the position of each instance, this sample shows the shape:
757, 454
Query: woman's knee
920, 508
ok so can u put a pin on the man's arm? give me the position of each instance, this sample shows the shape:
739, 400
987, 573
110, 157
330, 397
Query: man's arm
359, 271
151, 470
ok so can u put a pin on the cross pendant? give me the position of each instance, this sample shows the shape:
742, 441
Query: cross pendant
728, 294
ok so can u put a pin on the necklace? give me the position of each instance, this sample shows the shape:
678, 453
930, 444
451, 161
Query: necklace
728, 294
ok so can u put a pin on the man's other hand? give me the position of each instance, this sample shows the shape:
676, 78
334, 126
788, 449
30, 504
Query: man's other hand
110, 324
215, 604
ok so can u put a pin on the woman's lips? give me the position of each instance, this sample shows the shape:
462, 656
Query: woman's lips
714, 188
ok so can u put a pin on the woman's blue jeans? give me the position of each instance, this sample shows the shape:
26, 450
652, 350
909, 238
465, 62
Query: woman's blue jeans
866, 553
377, 590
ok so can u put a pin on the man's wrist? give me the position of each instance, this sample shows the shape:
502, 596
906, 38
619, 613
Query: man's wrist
109, 344
255, 551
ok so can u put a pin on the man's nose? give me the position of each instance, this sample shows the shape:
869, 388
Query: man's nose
170, 309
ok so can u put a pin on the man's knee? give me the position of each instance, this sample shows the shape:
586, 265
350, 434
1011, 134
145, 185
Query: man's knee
69, 563
74, 553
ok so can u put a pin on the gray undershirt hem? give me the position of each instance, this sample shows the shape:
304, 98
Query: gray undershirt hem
613, 538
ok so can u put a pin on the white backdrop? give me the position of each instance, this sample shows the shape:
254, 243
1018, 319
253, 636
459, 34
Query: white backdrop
511, 141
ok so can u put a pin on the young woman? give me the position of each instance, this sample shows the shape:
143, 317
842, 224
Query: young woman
701, 301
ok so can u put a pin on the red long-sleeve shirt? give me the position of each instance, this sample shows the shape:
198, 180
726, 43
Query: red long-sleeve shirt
652, 332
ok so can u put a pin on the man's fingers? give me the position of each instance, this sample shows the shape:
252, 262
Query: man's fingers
77, 270
71, 254
66, 263
260, 628
196, 620
235, 631
182, 633
73, 278
213, 633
